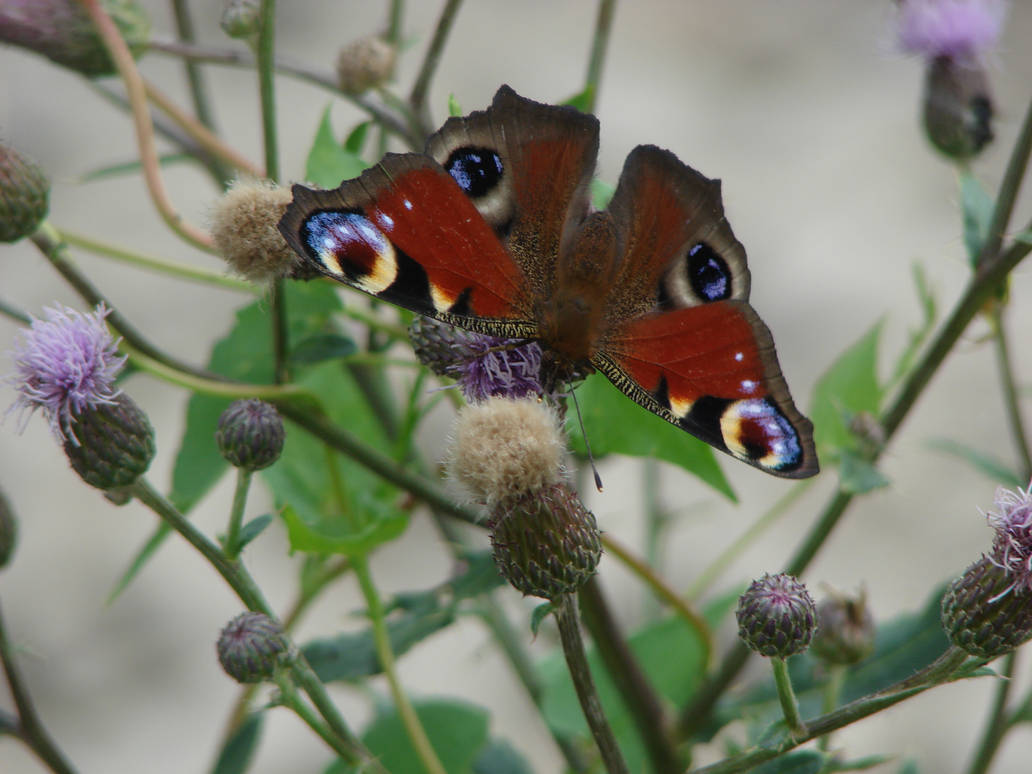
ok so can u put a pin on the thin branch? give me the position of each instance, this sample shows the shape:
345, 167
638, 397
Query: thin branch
996, 724
577, 662
421, 88
123, 59
1008, 193
1011, 402
599, 47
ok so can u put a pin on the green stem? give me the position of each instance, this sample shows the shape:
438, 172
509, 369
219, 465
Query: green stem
996, 725
936, 673
30, 727
421, 88
1010, 391
1008, 193
198, 87
15, 314
247, 590
289, 698
236, 513
565, 612
280, 342
789, 705
831, 695
409, 718
599, 47
266, 86
168, 268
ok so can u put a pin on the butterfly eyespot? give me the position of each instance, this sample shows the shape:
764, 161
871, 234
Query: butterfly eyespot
755, 429
347, 244
708, 273
477, 170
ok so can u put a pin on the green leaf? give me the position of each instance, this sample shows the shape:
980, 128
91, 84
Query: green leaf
355, 140
244, 354
601, 193
977, 210
457, 732
133, 167
499, 757
917, 338
236, 755
141, 558
352, 656
674, 678
454, 108
909, 767
849, 387
254, 528
582, 100
617, 425
984, 463
322, 346
329, 162
858, 476
539, 615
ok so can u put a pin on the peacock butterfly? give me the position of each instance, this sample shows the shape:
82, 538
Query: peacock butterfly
491, 230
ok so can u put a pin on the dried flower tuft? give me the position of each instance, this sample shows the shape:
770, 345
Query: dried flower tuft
1011, 520
244, 227
364, 64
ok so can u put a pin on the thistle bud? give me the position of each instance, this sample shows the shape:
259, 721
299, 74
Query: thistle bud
24, 194
250, 647
250, 434
8, 531
62, 31
776, 616
240, 19
110, 445
545, 542
244, 228
984, 614
958, 107
845, 630
364, 64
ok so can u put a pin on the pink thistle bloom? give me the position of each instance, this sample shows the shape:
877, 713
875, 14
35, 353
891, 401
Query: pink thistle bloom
64, 365
1012, 545
952, 28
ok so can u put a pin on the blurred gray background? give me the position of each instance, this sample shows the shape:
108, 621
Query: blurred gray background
807, 112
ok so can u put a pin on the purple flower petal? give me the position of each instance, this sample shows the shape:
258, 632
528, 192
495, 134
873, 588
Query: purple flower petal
954, 28
65, 364
1012, 545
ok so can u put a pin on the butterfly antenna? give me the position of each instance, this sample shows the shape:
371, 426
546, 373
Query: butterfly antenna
587, 446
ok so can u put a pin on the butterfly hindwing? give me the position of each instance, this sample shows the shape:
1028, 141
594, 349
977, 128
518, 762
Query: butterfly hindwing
391, 233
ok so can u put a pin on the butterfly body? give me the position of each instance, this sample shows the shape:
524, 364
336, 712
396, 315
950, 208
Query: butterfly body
492, 230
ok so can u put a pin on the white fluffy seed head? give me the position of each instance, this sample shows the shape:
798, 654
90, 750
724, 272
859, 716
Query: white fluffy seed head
505, 448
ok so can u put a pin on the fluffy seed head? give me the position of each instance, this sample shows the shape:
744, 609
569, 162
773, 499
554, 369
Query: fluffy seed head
243, 226
62, 31
65, 364
24, 195
364, 64
776, 616
505, 448
250, 647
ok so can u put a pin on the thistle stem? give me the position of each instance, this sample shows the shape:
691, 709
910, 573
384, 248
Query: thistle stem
996, 724
413, 727
789, 705
576, 660
421, 88
599, 47
236, 513
1010, 391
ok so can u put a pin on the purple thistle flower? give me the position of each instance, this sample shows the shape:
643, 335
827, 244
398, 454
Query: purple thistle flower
952, 28
494, 366
64, 365
1012, 544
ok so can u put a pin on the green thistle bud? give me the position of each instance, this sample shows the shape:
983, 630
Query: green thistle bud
250, 434
958, 108
62, 31
845, 630
8, 531
240, 19
110, 444
24, 191
776, 616
984, 614
364, 64
435, 344
250, 647
545, 542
